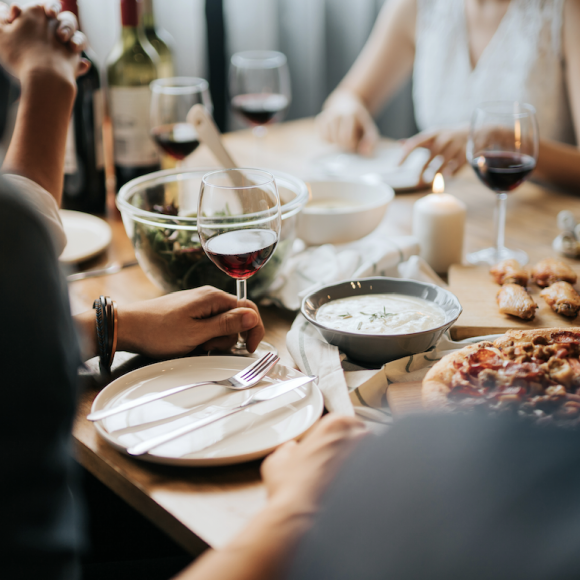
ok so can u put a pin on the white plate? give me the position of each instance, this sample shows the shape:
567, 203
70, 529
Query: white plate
383, 162
87, 236
248, 435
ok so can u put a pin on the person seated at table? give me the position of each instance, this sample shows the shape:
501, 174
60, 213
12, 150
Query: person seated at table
434, 497
39, 348
462, 53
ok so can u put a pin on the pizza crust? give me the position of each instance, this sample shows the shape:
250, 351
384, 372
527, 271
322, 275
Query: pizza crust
513, 337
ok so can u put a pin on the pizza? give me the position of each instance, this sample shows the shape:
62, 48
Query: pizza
534, 374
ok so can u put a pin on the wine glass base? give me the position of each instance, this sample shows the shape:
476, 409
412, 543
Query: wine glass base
263, 348
492, 256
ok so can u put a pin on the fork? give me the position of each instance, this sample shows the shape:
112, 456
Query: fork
245, 379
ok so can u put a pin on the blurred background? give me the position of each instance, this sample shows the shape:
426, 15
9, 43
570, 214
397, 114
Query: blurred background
321, 39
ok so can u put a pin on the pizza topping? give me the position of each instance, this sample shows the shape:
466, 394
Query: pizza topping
560, 371
565, 336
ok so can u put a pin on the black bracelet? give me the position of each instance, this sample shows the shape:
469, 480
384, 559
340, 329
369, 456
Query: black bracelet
104, 333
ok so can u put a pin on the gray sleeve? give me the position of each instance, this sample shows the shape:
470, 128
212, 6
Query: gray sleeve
451, 497
40, 356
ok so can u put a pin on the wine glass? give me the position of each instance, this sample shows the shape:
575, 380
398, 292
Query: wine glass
259, 87
171, 100
502, 149
238, 222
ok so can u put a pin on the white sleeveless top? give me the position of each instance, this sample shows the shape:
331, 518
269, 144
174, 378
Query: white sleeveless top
522, 62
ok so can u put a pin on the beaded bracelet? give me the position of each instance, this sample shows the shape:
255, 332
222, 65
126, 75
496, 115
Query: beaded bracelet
106, 325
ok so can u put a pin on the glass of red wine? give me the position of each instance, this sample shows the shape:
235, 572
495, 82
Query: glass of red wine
238, 222
502, 149
259, 87
171, 100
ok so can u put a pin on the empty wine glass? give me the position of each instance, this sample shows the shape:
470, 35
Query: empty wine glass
259, 87
171, 100
238, 222
502, 149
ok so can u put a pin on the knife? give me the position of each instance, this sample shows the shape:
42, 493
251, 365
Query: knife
266, 394
110, 269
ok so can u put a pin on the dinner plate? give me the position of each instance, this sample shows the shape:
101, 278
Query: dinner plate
250, 434
384, 162
86, 234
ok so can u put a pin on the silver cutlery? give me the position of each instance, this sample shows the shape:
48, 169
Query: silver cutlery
110, 269
265, 394
245, 379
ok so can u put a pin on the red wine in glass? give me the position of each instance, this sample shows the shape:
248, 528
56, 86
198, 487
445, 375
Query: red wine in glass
177, 139
241, 253
503, 171
261, 108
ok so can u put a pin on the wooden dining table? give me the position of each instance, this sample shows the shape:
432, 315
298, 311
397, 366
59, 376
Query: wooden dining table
201, 507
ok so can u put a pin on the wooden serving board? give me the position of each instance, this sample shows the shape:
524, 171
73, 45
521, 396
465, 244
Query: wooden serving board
476, 290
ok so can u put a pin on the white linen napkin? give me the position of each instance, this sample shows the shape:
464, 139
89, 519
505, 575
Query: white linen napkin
308, 270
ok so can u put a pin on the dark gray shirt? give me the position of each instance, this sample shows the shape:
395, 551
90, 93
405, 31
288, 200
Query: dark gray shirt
452, 498
39, 358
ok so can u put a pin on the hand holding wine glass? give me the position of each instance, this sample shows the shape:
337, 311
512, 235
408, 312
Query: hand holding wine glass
171, 100
259, 87
238, 223
502, 149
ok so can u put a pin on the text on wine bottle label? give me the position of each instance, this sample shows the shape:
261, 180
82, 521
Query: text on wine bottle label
133, 146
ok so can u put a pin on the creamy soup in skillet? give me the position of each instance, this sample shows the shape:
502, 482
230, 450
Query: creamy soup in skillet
381, 314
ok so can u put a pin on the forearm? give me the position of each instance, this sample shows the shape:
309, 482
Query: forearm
262, 551
386, 60
37, 148
559, 164
86, 326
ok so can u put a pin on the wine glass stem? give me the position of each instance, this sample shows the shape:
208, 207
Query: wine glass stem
259, 132
241, 290
500, 222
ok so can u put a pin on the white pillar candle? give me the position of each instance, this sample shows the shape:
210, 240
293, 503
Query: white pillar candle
439, 225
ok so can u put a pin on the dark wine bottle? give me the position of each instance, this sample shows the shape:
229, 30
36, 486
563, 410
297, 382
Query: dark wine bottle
132, 65
84, 169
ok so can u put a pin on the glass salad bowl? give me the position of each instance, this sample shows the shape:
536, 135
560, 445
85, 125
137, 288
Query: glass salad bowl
159, 214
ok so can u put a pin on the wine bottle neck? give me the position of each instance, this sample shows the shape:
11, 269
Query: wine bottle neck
129, 14
147, 16
70, 6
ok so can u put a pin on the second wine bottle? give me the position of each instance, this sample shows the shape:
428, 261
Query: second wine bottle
132, 65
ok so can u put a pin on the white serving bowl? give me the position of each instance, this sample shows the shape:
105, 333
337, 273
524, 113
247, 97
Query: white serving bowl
342, 211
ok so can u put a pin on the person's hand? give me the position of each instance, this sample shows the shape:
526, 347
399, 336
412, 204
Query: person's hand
39, 39
450, 144
175, 324
297, 473
345, 121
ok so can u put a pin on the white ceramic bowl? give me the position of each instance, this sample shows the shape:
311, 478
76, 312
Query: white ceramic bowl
342, 211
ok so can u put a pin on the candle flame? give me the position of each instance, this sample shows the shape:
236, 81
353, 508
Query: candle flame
518, 135
438, 184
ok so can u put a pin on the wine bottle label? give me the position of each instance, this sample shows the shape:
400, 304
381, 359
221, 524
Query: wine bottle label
98, 115
130, 115
70, 155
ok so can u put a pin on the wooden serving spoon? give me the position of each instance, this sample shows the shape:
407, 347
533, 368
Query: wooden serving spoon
209, 134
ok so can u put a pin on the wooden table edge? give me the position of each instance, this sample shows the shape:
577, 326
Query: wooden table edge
138, 499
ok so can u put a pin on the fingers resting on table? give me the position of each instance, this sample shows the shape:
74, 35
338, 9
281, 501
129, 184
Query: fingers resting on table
447, 144
347, 122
